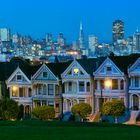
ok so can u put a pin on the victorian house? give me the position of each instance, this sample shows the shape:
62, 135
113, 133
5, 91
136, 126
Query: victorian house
110, 83
77, 82
134, 87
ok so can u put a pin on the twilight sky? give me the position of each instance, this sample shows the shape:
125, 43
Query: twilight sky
37, 17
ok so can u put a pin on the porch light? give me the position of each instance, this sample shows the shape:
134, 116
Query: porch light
108, 83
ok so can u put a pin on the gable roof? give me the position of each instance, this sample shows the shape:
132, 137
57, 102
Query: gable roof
89, 65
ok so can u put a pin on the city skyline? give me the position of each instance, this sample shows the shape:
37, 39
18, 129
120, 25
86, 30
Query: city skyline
37, 18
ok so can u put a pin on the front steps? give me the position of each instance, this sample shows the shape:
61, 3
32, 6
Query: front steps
133, 117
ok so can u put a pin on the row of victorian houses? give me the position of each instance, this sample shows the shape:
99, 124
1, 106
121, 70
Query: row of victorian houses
63, 85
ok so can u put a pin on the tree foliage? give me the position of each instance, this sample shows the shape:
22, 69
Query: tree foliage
114, 108
43, 113
8, 109
81, 109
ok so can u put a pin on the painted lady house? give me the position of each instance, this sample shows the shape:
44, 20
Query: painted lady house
77, 83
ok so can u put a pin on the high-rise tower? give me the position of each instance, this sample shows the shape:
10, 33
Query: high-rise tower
81, 37
136, 40
118, 30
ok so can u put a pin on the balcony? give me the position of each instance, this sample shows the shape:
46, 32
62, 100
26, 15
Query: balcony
22, 99
42, 96
75, 94
110, 92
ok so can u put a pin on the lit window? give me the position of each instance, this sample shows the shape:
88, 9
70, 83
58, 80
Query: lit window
75, 71
14, 91
45, 74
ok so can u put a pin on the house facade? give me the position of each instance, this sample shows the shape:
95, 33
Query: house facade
110, 83
77, 86
45, 89
134, 87
20, 89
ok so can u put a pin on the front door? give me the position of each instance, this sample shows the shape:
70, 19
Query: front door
135, 102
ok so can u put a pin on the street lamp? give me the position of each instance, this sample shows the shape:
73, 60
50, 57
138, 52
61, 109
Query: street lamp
107, 84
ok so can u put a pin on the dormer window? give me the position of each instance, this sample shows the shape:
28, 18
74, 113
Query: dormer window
81, 73
75, 71
108, 68
70, 72
45, 74
19, 77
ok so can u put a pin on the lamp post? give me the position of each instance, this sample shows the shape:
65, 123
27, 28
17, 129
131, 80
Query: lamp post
61, 106
107, 84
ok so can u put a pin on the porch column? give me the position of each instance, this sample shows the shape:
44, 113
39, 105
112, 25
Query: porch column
98, 85
77, 88
139, 102
85, 86
119, 84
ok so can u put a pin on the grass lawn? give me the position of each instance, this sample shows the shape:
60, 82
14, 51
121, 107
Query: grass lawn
41, 130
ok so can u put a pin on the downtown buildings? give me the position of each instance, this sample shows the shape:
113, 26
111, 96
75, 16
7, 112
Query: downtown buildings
52, 50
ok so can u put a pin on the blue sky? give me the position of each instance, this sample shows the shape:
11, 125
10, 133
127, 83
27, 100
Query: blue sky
37, 17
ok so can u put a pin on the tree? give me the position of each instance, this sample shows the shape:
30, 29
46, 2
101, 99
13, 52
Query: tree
8, 109
115, 108
43, 113
81, 109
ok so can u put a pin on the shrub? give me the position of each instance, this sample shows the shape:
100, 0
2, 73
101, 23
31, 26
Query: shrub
81, 109
43, 113
8, 109
114, 108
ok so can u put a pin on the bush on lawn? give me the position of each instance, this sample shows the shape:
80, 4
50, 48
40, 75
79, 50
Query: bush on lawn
81, 109
43, 113
8, 109
115, 108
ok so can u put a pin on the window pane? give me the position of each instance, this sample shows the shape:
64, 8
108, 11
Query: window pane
122, 84
88, 86
19, 77
50, 89
21, 92
14, 91
114, 84
81, 86
102, 84
136, 81
70, 86
75, 71
51, 103
45, 74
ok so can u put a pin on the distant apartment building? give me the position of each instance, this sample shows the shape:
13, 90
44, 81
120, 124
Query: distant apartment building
5, 34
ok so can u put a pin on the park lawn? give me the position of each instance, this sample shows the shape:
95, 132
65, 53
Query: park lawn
41, 130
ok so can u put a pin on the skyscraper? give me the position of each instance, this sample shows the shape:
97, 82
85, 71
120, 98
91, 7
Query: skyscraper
118, 30
5, 34
136, 40
61, 40
92, 41
49, 39
81, 37
92, 44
